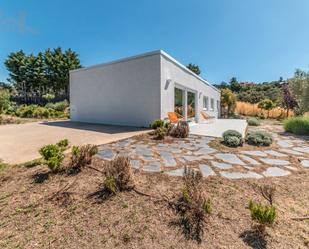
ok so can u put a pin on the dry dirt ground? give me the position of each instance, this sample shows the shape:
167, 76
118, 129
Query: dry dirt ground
43, 210
33, 215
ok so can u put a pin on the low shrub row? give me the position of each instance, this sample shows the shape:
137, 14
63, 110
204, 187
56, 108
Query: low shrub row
50, 110
233, 138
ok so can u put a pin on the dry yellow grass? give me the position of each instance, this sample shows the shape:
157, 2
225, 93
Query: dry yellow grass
247, 109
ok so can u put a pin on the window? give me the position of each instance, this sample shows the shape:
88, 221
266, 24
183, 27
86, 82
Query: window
212, 104
205, 103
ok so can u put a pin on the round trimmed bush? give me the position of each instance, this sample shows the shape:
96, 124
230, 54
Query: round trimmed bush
232, 138
253, 121
297, 125
259, 138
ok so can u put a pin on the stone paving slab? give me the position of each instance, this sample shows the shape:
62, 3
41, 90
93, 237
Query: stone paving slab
285, 143
175, 172
301, 149
106, 154
275, 153
254, 153
221, 165
240, 175
275, 171
275, 161
135, 164
305, 163
292, 152
229, 158
206, 170
152, 167
249, 160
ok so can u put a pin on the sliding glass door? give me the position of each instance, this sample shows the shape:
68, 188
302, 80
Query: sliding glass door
179, 101
191, 105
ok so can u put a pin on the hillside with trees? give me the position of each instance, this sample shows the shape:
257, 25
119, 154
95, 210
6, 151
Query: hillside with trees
289, 95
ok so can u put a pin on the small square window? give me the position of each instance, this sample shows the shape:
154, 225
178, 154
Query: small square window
212, 104
205, 103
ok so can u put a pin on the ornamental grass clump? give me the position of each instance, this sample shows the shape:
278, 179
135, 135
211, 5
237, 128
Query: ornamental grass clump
192, 205
118, 175
259, 138
81, 156
297, 125
232, 138
179, 130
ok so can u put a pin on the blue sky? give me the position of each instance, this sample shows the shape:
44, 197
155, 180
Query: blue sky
254, 40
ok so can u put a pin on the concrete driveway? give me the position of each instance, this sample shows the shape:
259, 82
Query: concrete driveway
20, 143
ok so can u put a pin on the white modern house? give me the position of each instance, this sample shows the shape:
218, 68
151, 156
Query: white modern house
137, 90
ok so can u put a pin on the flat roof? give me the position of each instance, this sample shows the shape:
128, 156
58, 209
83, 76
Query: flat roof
161, 52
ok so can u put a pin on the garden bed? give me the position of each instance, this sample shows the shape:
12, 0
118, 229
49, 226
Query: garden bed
32, 218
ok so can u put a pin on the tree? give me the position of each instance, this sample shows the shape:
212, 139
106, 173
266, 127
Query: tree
234, 85
299, 87
16, 65
4, 100
36, 75
289, 102
228, 100
58, 65
222, 85
267, 105
194, 68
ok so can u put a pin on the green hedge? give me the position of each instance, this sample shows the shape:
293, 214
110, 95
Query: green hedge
297, 125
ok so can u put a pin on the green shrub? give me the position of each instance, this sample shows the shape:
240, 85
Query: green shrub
158, 123
259, 138
61, 106
262, 214
232, 138
48, 96
58, 106
297, 125
63, 143
11, 109
110, 184
53, 156
253, 121
40, 112
25, 111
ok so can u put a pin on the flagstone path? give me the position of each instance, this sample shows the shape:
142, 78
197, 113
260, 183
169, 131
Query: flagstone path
287, 155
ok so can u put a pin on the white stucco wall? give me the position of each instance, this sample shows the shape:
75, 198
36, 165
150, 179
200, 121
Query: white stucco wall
126, 92
170, 70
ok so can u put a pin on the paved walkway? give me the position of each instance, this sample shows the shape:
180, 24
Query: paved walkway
288, 155
20, 143
216, 127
